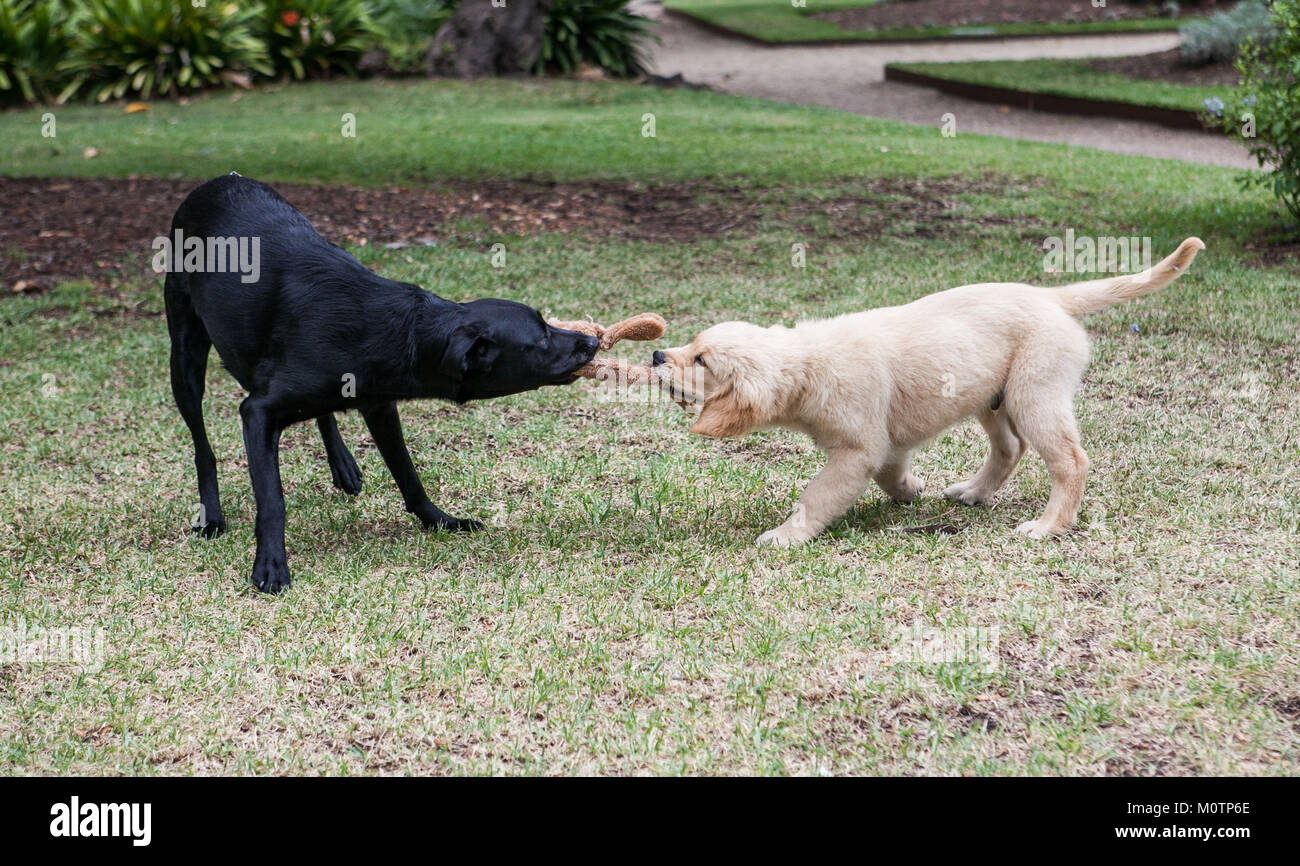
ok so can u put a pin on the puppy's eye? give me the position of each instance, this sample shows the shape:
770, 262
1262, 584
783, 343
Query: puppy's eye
699, 361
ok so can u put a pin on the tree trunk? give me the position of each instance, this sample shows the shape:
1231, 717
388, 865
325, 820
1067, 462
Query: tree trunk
486, 39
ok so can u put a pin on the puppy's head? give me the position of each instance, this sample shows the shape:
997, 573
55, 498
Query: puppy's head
726, 371
501, 347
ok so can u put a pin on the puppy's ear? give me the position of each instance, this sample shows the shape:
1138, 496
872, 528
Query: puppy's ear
726, 414
469, 350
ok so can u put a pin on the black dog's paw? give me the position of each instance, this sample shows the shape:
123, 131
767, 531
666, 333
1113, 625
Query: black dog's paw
434, 518
453, 524
271, 575
211, 529
467, 526
346, 475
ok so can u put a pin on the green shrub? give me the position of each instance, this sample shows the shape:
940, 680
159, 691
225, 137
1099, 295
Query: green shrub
109, 49
315, 37
1270, 95
34, 38
407, 27
1217, 39
148, 47
601, 32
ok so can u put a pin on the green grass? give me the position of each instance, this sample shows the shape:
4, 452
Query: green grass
412, 131
1072, 78
780, 21
616, 618
561, 130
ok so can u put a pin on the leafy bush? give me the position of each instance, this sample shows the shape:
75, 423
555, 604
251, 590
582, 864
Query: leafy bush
109, 49
602, 32
1270, 95
315, 36
34, 38
1217, 39
407, 27
161, 46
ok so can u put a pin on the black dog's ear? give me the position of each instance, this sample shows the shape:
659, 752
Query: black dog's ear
469, 350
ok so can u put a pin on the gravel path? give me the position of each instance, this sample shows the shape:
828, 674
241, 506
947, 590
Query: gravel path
852, 78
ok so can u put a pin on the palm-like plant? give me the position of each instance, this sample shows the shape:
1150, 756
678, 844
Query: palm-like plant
602, 32
164, 47
34, 38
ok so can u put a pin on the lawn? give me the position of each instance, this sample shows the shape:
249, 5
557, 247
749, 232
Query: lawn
1072, 78
616, 617
782, 21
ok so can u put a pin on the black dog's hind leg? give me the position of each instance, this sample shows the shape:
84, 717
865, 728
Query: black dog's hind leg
386, 428
189, 364
262, 441
344, 471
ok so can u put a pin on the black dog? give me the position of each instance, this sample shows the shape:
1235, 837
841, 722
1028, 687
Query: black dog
308, 331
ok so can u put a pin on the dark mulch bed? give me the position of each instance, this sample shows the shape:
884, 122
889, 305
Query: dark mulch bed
102, 230
908, 14
82, 228
1168, 66
1274, 250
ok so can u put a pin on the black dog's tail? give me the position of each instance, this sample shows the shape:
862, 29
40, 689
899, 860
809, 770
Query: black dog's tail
176, 300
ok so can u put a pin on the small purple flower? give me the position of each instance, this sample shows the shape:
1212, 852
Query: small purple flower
1214, 105
1134, 328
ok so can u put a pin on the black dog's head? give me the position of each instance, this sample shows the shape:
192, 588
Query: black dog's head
501, 347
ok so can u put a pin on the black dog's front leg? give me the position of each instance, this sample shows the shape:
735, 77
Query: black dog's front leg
262, 442
386, 428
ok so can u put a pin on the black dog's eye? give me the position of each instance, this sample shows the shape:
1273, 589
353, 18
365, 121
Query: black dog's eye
699, 361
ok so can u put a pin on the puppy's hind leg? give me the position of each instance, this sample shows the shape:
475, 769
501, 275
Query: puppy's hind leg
1039, 403
386, 427
344, 471
1006, 449
846, 475
189, 365
1053, 432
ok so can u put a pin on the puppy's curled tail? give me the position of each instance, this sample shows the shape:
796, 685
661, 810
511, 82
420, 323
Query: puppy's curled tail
1081, 298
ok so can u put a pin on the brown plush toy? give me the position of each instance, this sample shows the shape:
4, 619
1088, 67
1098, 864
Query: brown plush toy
647, 326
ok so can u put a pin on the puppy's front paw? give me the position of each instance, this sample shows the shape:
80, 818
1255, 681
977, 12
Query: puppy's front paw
782, 537
271, 574
965, 493
911, 488
1037, 529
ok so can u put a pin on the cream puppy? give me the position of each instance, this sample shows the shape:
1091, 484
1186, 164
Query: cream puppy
870, 387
